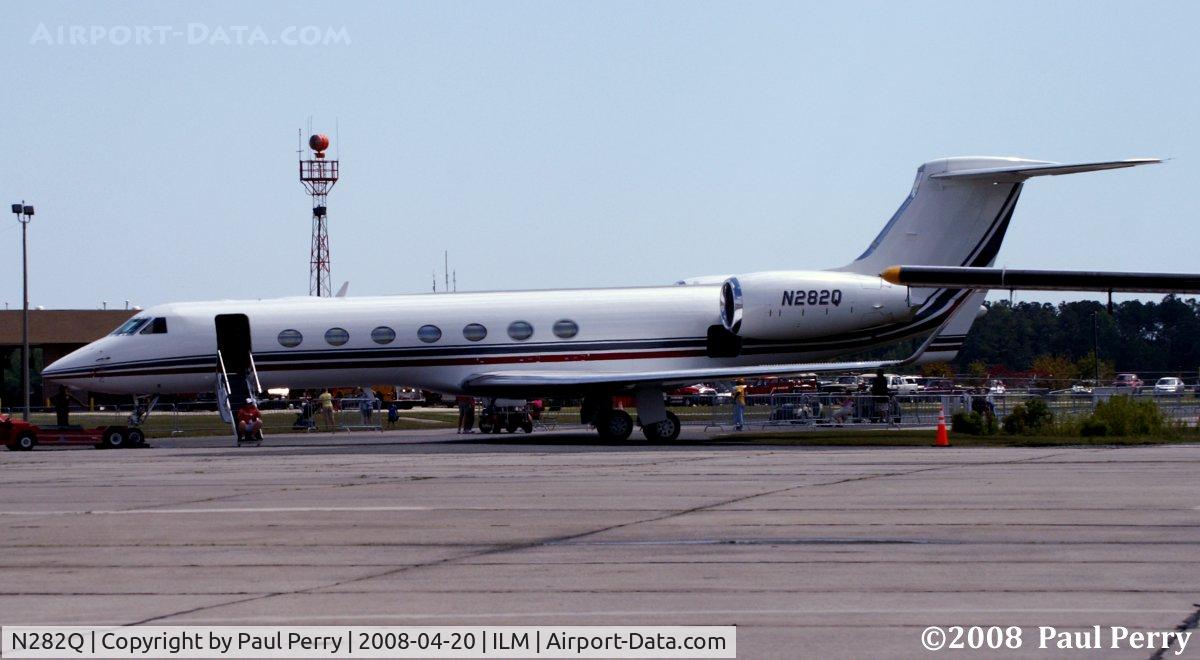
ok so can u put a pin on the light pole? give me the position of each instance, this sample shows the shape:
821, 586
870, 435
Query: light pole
24, 214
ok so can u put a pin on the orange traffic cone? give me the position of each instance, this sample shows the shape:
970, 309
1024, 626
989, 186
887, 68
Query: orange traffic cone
943, 440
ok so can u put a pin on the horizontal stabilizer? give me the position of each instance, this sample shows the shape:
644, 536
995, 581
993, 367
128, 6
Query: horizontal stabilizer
1041, 280
1027, 169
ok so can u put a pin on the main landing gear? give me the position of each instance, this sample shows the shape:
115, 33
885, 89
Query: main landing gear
616, 425
613, 424
665, 431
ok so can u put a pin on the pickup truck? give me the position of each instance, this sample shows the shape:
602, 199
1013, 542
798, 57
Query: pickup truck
902, 385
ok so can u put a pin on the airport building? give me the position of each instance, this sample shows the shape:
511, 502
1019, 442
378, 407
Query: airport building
52, 334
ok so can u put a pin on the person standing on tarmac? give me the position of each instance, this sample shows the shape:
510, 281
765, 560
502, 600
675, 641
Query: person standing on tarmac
62, 405
739, 405
326, 401
466, 413
879, 397
393, 415
367, 405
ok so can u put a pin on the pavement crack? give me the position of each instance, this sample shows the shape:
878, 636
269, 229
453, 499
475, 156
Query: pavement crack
201, 609
1190, 622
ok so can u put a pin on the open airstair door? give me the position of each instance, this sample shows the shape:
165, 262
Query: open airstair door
237, 378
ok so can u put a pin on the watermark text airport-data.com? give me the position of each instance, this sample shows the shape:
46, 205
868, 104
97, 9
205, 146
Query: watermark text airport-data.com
190, 34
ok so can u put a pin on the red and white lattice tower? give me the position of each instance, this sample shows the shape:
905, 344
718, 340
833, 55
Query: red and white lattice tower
318, 176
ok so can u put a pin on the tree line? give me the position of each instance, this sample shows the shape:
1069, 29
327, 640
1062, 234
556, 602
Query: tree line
1148, 338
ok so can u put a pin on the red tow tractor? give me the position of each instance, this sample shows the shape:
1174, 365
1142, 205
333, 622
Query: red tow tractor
19, 435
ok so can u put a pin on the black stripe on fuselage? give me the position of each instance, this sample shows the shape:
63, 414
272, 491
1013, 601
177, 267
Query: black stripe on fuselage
928, 318
400, 358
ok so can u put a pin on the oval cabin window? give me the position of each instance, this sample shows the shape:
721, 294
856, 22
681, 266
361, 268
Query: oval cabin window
565, 329
474, 332
337, 336
383, 335
520, 330
290, 338
429, 333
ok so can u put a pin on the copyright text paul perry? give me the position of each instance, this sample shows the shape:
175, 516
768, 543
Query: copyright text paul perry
936, 638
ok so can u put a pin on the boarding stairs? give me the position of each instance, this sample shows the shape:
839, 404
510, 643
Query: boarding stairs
233, 388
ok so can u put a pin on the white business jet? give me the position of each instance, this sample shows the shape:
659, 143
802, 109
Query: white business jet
594, 343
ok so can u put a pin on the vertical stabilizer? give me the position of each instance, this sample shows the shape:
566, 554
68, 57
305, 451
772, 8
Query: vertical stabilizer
946, 222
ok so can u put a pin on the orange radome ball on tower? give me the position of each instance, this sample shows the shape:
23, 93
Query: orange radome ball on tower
318, 142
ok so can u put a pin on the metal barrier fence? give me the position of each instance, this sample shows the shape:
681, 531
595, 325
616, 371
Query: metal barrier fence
838, 410
279, 416
816, 410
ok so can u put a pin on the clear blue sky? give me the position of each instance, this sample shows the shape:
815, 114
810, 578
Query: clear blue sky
574, 144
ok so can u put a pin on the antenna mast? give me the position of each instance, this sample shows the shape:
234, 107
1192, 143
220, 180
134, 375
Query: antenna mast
318, 175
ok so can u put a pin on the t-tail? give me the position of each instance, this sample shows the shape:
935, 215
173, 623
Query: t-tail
958, 211
957, 214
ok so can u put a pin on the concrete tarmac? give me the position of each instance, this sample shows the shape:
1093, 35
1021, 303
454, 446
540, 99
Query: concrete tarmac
810, 552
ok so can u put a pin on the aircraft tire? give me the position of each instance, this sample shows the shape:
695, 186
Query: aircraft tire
614, 425
664, 431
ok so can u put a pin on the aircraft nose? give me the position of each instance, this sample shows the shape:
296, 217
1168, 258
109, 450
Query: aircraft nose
74, 366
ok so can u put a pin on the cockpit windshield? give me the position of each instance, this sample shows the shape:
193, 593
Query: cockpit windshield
158, 326
131, 326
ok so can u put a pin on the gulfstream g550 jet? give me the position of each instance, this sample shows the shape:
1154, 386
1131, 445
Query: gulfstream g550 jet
593, 343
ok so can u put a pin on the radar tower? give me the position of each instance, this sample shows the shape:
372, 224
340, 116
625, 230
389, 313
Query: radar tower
318, 176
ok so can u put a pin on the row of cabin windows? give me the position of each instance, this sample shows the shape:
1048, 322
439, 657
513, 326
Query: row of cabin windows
518, 330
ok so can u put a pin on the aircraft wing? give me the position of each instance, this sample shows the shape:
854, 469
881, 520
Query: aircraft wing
1041, 280
567, 380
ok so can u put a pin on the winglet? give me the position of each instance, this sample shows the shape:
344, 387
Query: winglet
342, 291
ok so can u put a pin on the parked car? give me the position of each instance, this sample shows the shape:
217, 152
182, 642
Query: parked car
691, 395
996, 387
806, 383
407, 397
844, 385
1128, 380
1083, 388
902, 385
765, 386
1169, 385
433, 399
943, 386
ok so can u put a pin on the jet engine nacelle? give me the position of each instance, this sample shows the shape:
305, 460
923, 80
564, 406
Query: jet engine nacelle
800, 304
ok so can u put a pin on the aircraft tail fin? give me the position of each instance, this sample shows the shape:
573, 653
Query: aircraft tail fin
958, 211
950, 338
